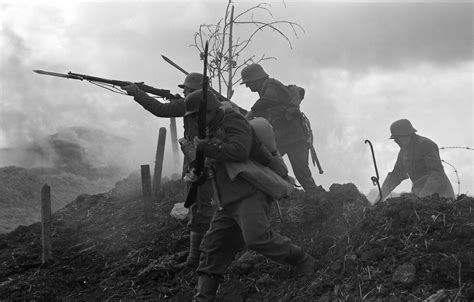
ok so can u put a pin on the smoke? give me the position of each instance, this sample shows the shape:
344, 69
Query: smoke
29, 113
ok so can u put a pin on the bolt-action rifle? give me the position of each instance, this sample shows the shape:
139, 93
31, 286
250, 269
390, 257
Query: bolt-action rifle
200, 157
112, 85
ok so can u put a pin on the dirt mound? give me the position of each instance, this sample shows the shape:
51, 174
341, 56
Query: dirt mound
404, 249
20, 192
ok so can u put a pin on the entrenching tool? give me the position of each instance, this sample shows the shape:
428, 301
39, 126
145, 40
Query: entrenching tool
375, 179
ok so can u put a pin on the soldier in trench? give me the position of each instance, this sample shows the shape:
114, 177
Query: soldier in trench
418, 160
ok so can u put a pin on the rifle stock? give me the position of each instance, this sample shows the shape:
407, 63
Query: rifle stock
314, 158
164, 93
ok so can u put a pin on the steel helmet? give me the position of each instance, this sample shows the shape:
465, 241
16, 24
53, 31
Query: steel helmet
252, 72
401, 127
193, 100
193, 81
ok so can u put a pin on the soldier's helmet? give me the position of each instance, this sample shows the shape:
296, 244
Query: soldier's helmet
401, 127
193, 100
252, 72
193, 81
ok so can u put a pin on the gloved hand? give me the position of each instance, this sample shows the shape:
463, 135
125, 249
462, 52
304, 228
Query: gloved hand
191, 176
200, 142
210, 148
131, 89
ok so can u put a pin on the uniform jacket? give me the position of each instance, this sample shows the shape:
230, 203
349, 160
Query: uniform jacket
274, 105
175, 108
420, 162
230, 139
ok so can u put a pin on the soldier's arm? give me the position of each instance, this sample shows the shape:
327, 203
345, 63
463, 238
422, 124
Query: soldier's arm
237, 144
175, 108
394, 178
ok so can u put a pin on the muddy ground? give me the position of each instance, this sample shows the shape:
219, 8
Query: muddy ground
406, 249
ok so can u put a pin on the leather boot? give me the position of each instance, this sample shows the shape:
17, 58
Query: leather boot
192, 261
206, 289
302, 261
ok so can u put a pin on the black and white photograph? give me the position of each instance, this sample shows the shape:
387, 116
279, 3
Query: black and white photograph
279, 150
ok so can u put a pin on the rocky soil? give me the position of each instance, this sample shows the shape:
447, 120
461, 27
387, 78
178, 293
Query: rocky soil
406, 249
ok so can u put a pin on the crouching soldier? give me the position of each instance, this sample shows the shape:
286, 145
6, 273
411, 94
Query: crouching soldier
243, 218
418, 160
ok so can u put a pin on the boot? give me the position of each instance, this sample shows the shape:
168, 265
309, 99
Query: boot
302, 261
206, 289
192, 261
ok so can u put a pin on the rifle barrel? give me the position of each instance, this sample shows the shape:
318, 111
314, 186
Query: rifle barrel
77, 76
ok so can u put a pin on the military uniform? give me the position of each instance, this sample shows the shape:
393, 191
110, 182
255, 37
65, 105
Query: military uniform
287, 122
201, 212
420, 161
244, 217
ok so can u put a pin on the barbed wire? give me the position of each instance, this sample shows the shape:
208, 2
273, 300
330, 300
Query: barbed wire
468, 148
457, 176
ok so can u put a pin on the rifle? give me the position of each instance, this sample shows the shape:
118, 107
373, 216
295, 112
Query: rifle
110, 84
309, 139
200, 158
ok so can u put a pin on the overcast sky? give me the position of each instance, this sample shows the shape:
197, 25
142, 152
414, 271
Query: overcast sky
363, 64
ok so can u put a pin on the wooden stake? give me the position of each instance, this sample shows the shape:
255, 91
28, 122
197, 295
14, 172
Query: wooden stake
174, 145
46, 224
160, 152
146, 190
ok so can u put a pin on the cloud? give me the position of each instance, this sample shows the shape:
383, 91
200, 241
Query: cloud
363, 66
358, 36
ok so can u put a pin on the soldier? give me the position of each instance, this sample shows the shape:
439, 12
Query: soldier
243, 220
201, 212
286, 118
418, 160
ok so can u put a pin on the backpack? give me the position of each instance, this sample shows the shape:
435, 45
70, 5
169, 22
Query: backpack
264, 150
296, 94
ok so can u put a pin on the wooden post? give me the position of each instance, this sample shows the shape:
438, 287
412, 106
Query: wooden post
160, 152
146, 190
46, 224
174, 145
230, 92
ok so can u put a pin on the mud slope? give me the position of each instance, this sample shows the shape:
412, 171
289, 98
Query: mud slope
407, 249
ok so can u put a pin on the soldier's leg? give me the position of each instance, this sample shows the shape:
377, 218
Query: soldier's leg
251, 214
298, 154
219, 246
200, 217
